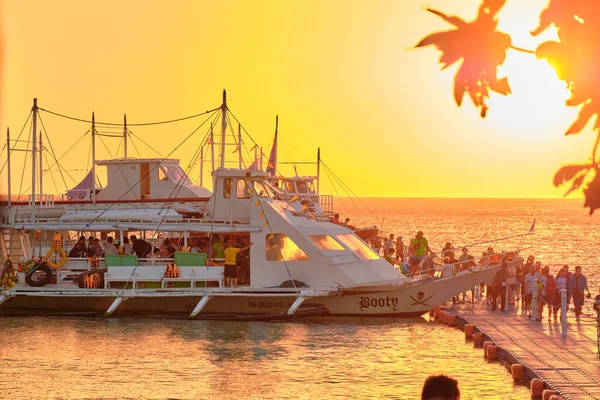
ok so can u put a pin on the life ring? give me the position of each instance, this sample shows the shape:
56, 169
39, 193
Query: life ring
56, 251
47, 275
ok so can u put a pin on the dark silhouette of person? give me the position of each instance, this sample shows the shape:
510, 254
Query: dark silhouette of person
440, 387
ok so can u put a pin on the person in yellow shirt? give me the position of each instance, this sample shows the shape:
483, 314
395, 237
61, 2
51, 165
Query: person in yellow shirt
231, 262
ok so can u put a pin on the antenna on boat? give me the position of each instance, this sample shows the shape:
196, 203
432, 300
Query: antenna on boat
239, 145
8, 164
212, 147
124, 135
318, 169
93, 158
41, 166
223, 127
34, 110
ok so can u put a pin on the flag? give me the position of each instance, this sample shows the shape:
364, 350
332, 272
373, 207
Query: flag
253, 147
272, 165
253, 166
237, 148
532, 229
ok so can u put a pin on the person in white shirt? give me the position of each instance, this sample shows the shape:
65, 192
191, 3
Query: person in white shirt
561, 283
110, 248
447, 269
530, 287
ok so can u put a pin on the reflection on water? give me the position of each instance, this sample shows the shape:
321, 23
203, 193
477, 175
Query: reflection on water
68, 358
307, 359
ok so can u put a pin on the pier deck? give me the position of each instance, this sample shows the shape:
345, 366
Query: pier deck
569, 365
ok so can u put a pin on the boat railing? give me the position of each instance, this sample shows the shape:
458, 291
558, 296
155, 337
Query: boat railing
326, 202
41, 200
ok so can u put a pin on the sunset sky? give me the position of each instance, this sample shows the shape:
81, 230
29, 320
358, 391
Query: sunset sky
340, 75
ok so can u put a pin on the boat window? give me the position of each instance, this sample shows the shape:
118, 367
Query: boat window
174, 172
259, 188
271, 189
227, 188
289, 185
279, 247
162, 174
325, 242
243, 190
311, 187
301, 185
358, 247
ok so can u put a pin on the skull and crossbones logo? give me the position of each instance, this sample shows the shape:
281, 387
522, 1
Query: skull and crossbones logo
419, 300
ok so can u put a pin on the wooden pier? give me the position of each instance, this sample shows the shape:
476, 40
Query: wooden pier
567, 364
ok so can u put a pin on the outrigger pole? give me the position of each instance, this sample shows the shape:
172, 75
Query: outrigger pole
318, 169
239, 146
41, 166
93, 158
212, 147
223, 127
8, 164
124, 135
34, 110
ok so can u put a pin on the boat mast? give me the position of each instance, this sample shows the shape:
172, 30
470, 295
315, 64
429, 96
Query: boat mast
41, 166
201, 163
318, 168
240, 146
223, 127
212, 148
124, 135
8, 164
93, 158
261, 158
34, 110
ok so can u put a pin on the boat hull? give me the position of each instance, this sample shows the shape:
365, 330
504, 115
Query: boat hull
408, 300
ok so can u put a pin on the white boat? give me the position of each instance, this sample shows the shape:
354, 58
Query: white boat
300, 263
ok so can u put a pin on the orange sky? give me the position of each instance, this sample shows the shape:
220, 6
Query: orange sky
338, 73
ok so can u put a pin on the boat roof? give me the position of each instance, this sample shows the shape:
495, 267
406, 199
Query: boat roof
130, 160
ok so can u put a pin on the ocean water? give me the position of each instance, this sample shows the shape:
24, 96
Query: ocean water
357, 358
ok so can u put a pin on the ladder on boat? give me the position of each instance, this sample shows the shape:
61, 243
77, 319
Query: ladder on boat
14, 245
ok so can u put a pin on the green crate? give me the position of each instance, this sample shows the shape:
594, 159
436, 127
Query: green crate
129, 261
112, 260
118, 260
184, 259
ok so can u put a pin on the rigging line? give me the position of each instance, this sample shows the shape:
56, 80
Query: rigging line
264, 156
24, 168
147, 145
341, 185
3, 148
134, 146
255, 195
119, 147
153, 169
260, 203
18, 137
198, 151
121, 124
51, 175
336, 191
56, 162
107, 149
52, 151
90, 152
342, 182
180, 184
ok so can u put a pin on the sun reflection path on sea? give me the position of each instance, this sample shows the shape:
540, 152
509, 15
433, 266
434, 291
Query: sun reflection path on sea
308, 359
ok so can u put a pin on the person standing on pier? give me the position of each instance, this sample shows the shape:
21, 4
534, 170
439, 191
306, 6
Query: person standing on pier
561, 283
500, 287
530, 287
575, 288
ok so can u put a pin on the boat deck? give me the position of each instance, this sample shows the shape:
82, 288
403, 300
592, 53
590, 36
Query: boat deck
569, 365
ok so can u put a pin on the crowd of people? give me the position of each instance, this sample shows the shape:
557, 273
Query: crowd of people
230, 251
521, 282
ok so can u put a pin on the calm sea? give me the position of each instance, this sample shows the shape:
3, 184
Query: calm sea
83, 358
